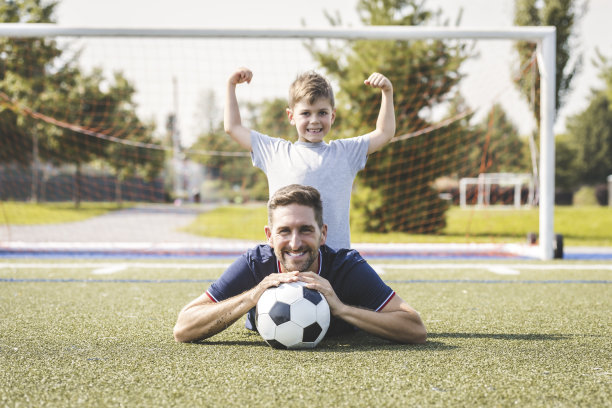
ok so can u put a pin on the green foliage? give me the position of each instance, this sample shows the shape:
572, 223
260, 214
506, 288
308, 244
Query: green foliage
584, 154
499, 148
423, 73
367, 212
591, 140
229, 166
564, 15
566, 176
270, 118
234, 177
56, 108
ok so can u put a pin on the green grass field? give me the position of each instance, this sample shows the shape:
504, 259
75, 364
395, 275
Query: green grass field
579, 226
86, 333
20, 213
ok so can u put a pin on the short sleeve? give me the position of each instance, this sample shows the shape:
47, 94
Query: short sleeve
356, 283
355, 150
264, 149
236, 279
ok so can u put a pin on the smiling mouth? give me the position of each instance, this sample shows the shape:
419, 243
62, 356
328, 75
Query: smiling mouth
318, 130
295, 254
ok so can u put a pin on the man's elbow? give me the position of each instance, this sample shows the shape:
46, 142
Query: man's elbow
180, 335
419, 336
413, 336
415, 331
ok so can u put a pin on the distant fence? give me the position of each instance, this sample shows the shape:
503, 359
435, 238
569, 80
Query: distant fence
17, 185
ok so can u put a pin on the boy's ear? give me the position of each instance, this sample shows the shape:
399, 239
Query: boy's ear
333, 116
290, 116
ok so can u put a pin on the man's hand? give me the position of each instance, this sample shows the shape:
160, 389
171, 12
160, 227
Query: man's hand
316, 282
396, 321
272, 280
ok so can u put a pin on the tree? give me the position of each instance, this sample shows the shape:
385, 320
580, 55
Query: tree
270, 118
424, 74
23, 65
563, 14
590, 132
51, 110
499, 148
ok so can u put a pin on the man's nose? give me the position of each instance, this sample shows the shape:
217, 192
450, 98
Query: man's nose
295, 241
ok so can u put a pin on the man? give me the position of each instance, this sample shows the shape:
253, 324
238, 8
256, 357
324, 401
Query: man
296, 251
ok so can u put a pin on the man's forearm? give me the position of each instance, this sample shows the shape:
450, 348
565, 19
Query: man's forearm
198, 321
399, 325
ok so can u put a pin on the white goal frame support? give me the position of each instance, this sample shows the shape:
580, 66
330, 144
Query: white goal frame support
545, 37
484, 181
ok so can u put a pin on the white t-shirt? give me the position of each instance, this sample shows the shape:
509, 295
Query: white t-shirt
329, 167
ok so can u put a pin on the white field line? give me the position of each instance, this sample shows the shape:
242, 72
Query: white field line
108, 265
503, 270
109, 270
500, 268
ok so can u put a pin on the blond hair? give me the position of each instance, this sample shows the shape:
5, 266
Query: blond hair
310, 86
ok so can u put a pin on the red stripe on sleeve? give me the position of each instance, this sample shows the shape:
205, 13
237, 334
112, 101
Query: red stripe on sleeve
386, 302
211, 298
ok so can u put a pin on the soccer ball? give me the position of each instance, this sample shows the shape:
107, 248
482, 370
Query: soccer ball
292, 316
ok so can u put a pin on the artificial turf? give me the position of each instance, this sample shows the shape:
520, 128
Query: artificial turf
540, 338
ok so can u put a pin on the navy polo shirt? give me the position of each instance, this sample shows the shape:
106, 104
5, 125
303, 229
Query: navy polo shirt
353, 280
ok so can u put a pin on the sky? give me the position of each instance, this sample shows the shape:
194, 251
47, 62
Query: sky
593, 30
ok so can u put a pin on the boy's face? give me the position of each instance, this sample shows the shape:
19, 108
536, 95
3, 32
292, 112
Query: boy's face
312, 121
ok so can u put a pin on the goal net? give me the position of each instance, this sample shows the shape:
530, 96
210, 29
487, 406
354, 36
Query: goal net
108, 119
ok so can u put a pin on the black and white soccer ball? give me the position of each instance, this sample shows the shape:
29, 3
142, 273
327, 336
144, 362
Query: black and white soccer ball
292, 316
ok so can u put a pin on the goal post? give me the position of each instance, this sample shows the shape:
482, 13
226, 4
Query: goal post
543, 36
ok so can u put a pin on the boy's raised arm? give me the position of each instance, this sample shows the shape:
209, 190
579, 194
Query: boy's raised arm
231, 116
385, 124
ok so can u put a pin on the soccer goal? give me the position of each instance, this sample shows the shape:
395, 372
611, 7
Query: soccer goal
135, 116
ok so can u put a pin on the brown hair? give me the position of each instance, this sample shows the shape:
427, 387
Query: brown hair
310, 86
297, 194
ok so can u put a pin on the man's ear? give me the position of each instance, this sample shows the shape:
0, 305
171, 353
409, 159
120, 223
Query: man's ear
323, 234
268, 232
290, 116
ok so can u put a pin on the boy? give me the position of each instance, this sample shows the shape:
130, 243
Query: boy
330, 168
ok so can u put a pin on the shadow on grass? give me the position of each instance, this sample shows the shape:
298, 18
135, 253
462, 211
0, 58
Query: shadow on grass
231, 343
345, 343
500, 336
361, 341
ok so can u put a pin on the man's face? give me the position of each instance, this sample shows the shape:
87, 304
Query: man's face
296, 237
312, 121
